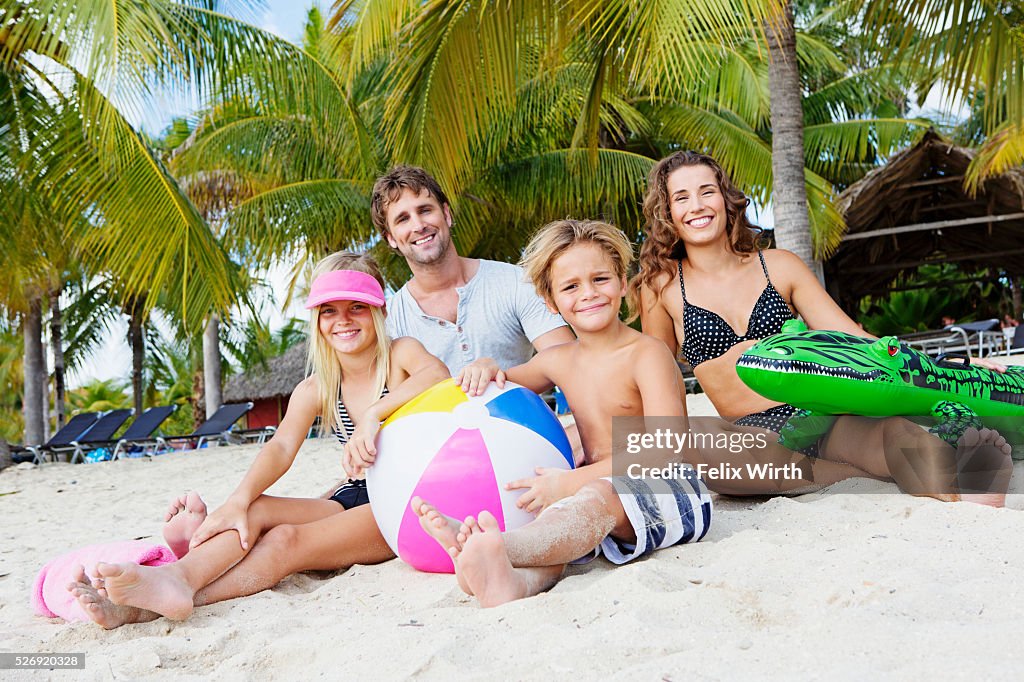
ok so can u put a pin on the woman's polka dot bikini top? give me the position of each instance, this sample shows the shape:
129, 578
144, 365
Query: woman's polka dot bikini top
706, 335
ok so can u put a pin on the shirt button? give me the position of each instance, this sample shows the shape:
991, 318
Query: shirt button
465, 347
459, 329
441, 322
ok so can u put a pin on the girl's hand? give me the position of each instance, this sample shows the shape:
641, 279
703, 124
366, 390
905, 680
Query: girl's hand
360, 450
542, 491
475, 376
232, 515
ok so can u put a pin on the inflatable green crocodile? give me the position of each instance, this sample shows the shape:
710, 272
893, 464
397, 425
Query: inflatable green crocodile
828, 373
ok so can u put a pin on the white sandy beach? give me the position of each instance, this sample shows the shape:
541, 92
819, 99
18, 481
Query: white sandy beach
832, 585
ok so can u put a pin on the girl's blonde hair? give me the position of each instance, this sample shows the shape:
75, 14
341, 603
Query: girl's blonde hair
554, 239
322, 359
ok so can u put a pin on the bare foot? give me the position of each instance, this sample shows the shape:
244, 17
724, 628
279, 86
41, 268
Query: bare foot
483, 565
100, 609
448, 532
984, 467
183, 517
442, 528
153, 588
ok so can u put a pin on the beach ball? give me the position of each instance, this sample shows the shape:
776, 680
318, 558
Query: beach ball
458, 452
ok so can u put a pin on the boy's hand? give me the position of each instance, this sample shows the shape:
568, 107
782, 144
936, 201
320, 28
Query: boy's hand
232, 515
542, 491
475, 376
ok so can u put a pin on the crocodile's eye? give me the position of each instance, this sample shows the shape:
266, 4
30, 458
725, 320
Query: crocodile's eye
893, 349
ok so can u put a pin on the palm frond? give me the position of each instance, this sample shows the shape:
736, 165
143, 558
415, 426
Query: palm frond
315, 216
1002, 151
147, 245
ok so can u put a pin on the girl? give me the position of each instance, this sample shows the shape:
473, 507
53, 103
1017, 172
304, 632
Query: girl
253, 541
702, 278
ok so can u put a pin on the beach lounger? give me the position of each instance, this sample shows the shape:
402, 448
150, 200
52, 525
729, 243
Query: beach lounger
98, 434
1017, 343
938, 341
140, 433
215, 429
74, 429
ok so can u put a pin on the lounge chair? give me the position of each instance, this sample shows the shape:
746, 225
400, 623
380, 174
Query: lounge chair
1017, 343
101, 432
215, 429
73, 430
983, 334
140, 433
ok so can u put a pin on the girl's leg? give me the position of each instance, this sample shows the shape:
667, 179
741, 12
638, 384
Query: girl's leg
169, 589
334, 542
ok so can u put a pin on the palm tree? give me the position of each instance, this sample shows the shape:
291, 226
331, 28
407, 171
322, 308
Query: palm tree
975, 51
789, 192
852, 118
309, 185
85, 64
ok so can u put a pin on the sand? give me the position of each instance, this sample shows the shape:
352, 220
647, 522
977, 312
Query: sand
855, 581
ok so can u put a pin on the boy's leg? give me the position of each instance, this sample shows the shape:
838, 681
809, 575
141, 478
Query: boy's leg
497, 567
335, 542
169, 589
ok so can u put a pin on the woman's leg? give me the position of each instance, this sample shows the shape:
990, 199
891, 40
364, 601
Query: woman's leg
170, 589
334, 542
918, 461
750, 464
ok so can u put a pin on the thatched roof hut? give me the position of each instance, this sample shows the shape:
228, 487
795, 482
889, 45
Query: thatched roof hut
914, 210
268, 388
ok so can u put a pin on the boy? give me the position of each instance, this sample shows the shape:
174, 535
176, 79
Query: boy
579, 269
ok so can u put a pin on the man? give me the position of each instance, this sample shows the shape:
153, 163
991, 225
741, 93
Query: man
460, 308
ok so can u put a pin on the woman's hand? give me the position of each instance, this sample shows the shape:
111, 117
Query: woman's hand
542, 491
475, 376
232, 515
989, 364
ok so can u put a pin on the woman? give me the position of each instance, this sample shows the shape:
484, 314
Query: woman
703, 277
254, 540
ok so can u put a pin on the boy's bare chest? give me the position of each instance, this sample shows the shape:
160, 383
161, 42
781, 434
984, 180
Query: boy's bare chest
597, 393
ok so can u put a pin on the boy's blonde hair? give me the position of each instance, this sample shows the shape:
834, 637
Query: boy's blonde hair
554, 239
323, 360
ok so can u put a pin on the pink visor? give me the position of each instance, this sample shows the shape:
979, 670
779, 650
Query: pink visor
345, 285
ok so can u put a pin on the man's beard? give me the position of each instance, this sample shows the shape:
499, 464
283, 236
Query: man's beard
430, 258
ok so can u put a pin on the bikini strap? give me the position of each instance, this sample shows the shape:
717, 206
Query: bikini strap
682, 287
760, 254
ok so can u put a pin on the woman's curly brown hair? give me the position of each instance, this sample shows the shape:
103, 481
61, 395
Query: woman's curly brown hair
662, 246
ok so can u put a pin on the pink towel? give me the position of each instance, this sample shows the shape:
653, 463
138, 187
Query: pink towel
50, 596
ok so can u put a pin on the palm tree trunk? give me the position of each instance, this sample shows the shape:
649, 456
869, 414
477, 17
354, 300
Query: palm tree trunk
32, 328
138, 345
211, 366
789, 191
57, 346
1015, 283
